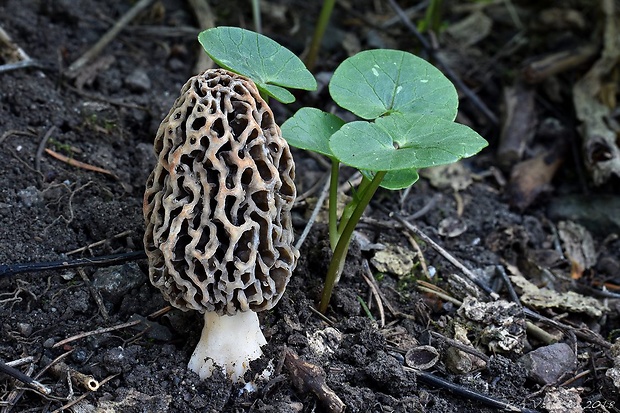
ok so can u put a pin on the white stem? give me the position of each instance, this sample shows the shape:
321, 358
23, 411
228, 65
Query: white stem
229, 342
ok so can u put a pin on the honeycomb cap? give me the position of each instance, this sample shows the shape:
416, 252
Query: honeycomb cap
217, 205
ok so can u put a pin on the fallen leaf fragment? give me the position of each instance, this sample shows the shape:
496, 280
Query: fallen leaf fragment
570, 301
394, 259
519, 124
578, 247
454, 176
562, 400
532, 177
600, 146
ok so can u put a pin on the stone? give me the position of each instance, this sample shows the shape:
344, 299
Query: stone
138, 81
546, 365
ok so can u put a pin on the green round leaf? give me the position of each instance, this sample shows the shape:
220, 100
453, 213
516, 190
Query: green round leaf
395, 180
404, 142
374, 83
311, 129
259, 58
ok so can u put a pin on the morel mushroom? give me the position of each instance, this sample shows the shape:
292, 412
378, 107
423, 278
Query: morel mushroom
217, 210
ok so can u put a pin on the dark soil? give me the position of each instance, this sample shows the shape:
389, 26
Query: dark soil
106, 119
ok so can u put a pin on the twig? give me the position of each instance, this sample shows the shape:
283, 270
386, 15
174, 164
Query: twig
412, 228
499, 269
15, 132
7, 67
13, 269
372, 283
461, 346
592, 337
438, 293
159, 312
61, 369
79, 164
306, 376
73, 402
448, 71
310, 191
101, 242
470, 394
81, 397
322, 316
20, 362
27, 380
419, 254
41, 148
315, 213
106, 99
96, 332
16, 56
13, 397
107, 37
109, 329
536, 332
353, 181
96, 295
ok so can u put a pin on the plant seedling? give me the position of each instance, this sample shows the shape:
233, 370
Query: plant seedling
407, 107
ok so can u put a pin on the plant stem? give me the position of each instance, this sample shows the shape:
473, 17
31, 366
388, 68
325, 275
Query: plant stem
350, 207
333, 205
319, 31
340, 253
432, 17
258, 27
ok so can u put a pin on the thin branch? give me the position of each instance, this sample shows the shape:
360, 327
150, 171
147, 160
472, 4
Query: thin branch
315, 214
13, 269
107, 37
435, 381
372, 283
473, 277
27, 380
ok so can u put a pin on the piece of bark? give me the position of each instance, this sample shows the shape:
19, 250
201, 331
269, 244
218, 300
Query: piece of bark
541, 67
519, 124
601, 151
309, 377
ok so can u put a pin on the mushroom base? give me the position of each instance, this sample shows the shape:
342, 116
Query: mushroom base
228, 342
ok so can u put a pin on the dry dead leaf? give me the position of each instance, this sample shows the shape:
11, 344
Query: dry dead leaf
532, 177
578, 247
394, 259
570, 301
601, 151
454, 176
471, 29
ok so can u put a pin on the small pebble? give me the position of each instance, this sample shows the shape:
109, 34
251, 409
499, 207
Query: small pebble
29, 196
546, 365
116, 281
25, 329
138, 81
79, 355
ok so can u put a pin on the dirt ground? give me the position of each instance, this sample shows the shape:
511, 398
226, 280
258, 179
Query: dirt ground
106, 116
